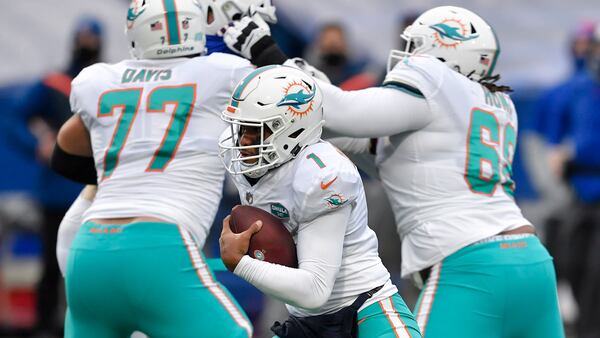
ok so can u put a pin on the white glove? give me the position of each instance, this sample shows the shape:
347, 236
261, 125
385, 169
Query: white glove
304, 66
266, 10
240, 36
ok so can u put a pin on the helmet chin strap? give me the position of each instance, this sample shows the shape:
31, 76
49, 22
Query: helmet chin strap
256, 173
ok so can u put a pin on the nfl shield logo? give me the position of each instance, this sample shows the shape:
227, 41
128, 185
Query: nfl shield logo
249, 197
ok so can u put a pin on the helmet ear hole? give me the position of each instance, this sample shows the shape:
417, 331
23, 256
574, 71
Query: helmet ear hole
285, 147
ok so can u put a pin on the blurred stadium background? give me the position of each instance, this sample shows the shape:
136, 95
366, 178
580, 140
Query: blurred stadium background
37, 36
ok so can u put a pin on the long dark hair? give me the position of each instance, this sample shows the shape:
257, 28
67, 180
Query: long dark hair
489, 82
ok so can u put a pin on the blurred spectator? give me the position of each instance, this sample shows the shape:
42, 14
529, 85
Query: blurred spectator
572, 128
579, 46
555, 197
330, 54
32, 129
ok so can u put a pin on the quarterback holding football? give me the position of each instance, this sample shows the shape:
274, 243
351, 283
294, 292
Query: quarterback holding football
279, 164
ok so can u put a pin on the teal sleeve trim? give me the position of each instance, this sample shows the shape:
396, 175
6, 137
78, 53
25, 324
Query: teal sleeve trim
405, 88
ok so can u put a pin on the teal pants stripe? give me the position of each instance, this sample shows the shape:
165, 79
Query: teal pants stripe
148, 277
497, 289
389, 318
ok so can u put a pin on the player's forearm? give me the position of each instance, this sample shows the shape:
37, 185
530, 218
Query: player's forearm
319, 248
296, 287
77, 168
372, 112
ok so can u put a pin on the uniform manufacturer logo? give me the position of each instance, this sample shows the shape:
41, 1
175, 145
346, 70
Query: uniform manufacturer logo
298, 97
335, 201
451, 32
279, 210
324, 185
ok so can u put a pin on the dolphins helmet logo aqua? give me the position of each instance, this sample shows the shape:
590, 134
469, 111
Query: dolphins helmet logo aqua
452, 32
298, 97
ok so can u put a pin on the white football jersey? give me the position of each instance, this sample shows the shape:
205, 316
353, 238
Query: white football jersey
154, 127
449, 183
321, 179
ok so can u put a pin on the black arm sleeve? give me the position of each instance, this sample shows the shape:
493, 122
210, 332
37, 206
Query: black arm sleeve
266, 52
80, 169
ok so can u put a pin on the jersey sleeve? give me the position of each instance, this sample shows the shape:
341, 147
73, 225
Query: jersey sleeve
325, 180
79, 89
372, 112
419, 75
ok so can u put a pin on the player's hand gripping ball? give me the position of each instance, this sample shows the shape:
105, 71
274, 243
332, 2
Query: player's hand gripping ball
253, 231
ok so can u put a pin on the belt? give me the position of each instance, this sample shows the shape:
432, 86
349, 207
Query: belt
373, 291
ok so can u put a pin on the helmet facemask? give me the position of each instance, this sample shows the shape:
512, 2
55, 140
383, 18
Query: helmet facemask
414, 45
260, 155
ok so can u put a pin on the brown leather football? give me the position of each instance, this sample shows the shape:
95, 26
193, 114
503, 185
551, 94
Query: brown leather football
273, 243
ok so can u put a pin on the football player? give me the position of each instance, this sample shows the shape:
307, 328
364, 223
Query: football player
447, 170
148, 129
219, 14
279, 164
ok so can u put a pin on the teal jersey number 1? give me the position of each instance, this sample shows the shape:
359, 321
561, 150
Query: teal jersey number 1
483, 153
128, 100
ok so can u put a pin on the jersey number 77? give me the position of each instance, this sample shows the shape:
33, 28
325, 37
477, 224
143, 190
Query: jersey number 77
128, 100
485, 167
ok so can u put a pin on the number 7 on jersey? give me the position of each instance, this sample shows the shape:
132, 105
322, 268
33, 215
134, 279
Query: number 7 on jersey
128, 100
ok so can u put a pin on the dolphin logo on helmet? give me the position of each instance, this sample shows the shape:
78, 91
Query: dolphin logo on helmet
296, 99
452, 33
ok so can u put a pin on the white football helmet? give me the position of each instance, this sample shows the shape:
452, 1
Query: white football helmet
225, 11
283, 99
456, 36
158, 29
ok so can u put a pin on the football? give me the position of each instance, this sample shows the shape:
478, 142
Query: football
273, 243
